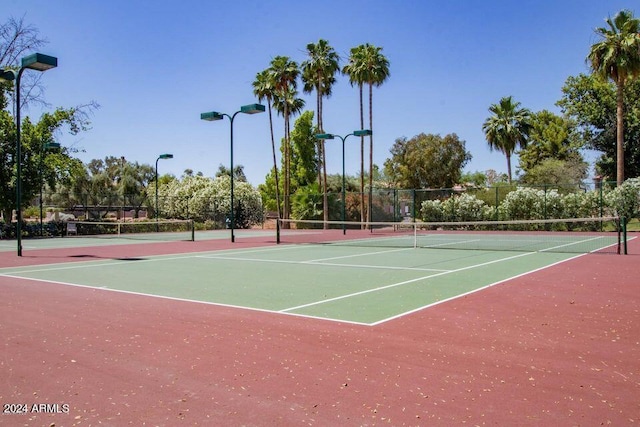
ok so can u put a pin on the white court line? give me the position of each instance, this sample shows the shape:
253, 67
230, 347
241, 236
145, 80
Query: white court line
73, 265
315, 262
357, 255
415, 310
405, 282
218, 304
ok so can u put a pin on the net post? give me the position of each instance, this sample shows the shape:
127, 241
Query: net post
278, 231
193, 230
624, 234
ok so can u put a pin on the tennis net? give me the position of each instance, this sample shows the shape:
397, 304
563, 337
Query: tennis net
169, 230
577, 235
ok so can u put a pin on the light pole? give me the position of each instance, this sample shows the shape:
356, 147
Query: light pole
163, 157
213, 116
363, 132
38, 62
50, 145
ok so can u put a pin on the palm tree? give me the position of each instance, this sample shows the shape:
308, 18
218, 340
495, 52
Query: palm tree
507, 128
376, 71
318, 73
264, 88
354, 69
617, 57
284, 73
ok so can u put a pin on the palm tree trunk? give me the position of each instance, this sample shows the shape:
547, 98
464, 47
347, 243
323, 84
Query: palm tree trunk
620, 134
369, 214
287, 182
362, 216
320, 141
275, 161
323, 160
509, 166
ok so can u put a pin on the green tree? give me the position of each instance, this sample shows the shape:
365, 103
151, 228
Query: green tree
590, 100
96, 187
38, 165
53, 168
238, 172
553, 171
552, 153
318, 73
475, 179
427, 161
304, 162
617, 57
507, 128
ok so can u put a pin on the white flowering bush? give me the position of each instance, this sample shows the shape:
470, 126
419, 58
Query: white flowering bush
464, 207
522, 203
432, 211
204, 199
585, 204
624, 200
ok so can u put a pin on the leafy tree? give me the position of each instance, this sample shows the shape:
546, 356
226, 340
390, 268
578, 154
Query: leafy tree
590, 100
427, 161
238, 172
304, 162
269, 191
38, 165
135, 182
552, 153
550, 137
507, 128
318, 73
617, 57
96, 187
564, 173
476, 179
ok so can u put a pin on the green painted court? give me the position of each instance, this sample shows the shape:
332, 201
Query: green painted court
362, 285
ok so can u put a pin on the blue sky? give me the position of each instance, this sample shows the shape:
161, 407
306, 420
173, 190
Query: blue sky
155, 66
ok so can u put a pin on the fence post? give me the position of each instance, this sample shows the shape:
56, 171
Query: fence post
413, 213
497, 201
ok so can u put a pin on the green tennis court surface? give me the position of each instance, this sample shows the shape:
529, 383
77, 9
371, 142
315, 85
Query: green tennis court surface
363, 285
124, 239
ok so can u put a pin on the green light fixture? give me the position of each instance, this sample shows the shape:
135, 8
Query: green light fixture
214, 116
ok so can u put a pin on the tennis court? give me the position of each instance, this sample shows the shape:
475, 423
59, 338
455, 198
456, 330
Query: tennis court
347, 330
367, 279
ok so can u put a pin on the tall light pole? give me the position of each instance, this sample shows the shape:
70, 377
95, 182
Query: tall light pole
163, 157
49, 145
38, 62
213, 116
363, 132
